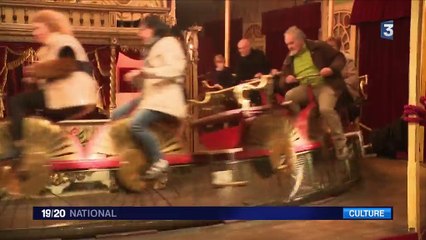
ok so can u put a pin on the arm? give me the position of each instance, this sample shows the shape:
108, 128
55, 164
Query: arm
338, 63
57, 68
336, 58
174, 61
350, 73
286, 71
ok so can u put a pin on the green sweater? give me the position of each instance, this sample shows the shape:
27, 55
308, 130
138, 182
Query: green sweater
304, 66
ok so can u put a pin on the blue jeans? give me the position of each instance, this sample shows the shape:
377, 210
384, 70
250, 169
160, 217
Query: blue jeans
139, 126
125, 109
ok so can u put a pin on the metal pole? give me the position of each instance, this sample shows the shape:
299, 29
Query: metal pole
330, 18
227, 30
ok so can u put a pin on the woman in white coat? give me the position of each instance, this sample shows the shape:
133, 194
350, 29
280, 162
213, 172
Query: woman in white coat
162, 95
63, 74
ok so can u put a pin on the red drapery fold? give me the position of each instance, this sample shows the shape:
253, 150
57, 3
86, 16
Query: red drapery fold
385, 61
212, 42
276, 22
379, 10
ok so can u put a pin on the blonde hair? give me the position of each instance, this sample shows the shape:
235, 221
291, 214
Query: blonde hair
55, 21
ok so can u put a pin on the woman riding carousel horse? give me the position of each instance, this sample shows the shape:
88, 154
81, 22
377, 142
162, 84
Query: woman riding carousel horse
162, 76
63, 73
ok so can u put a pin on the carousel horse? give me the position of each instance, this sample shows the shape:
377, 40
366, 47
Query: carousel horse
134, 163
43, 141
257, 130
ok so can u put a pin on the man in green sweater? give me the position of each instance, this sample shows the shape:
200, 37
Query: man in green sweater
317, 64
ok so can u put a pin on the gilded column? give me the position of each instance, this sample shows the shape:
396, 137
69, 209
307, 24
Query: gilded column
191, 40
415, 132
330, 17
227, 30
112, 77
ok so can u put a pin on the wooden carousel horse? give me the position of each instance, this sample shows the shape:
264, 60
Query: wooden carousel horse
52, 152
134, 161
258, 129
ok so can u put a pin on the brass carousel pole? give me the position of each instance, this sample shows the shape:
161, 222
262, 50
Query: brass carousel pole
415, 132
112, 76
227, 30
330, 18
191, 41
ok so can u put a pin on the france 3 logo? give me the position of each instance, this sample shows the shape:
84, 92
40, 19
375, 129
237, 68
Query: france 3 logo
386, 30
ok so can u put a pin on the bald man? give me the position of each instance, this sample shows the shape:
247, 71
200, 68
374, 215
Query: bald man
251, 63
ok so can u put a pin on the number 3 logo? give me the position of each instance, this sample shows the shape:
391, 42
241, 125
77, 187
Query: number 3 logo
388, 29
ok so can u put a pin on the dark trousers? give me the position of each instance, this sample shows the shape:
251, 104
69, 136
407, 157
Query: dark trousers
255, 97
27, 103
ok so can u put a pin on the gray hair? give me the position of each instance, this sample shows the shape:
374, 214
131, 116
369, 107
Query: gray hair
296, 32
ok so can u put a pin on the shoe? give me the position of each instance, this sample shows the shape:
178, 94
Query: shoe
156, 169
342, 153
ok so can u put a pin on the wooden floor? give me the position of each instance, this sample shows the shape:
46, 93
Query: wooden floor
384, 183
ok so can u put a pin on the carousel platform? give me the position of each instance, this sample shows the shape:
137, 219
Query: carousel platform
220, 180
383, 183
257, 156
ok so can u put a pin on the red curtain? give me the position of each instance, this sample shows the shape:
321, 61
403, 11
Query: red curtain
212, 42
101, 71
385, 61
276, 22
379, 10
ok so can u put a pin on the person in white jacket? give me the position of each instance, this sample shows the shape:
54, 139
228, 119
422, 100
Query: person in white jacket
64, 76
162, 77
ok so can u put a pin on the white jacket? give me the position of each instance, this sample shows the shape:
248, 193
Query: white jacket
165, 60
79, 88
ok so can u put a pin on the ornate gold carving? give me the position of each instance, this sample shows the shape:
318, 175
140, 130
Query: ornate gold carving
129, 3
191, 40
253, 31
112, 78
28, 55
60, 178
254, 34
104, 73
126, 49
342, 28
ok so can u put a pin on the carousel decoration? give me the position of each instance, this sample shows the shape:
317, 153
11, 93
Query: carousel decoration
342, 28
22, 58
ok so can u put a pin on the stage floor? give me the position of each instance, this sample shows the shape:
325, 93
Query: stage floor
383, 184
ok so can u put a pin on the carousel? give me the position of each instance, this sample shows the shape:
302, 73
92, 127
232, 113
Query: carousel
219, 156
